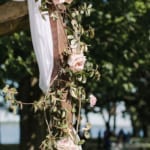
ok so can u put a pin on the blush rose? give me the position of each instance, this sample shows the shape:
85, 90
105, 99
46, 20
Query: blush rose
56, 2
67, 144
76, 62
93, 100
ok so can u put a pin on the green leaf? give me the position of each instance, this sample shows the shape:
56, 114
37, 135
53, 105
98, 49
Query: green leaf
74, 92
86, 134
81, 142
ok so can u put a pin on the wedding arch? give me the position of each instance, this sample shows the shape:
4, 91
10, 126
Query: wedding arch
56, 31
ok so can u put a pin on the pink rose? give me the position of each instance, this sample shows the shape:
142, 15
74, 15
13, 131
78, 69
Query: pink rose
76, 62
93, 100
67, 144
56, 2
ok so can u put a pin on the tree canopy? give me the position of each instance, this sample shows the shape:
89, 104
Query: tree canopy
121, 49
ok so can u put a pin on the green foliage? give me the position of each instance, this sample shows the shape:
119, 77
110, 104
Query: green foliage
3, 1
121, 49
70, 83
17, 57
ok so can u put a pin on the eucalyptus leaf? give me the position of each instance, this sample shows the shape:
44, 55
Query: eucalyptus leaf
74, 92
86, 134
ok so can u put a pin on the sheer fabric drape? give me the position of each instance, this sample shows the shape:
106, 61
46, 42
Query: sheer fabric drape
42, 42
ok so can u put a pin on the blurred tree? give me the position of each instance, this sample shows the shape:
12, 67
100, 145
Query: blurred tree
121, 50
17, 64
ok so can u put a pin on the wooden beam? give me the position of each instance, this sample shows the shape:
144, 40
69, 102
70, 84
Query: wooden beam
13, 17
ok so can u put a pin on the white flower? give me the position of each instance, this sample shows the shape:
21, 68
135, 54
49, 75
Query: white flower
93, 100
76, 62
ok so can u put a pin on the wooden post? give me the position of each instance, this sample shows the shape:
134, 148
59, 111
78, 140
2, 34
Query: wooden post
13, 17
60, 44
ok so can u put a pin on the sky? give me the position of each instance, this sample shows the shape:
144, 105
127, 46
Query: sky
97, 119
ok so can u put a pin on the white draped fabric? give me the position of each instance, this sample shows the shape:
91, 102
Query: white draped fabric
42, 42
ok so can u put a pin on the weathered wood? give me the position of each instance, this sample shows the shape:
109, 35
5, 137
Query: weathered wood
13, 17
60, 44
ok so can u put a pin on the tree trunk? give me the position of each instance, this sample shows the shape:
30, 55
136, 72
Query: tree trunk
33, 127
135, 128
114, 117
114, 127
148, 131
145, 130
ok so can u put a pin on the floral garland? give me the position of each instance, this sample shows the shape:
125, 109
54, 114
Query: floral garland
67, 95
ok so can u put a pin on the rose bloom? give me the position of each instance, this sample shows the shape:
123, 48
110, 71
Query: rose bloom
93, 100
56, 2
76, 62
67, 144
